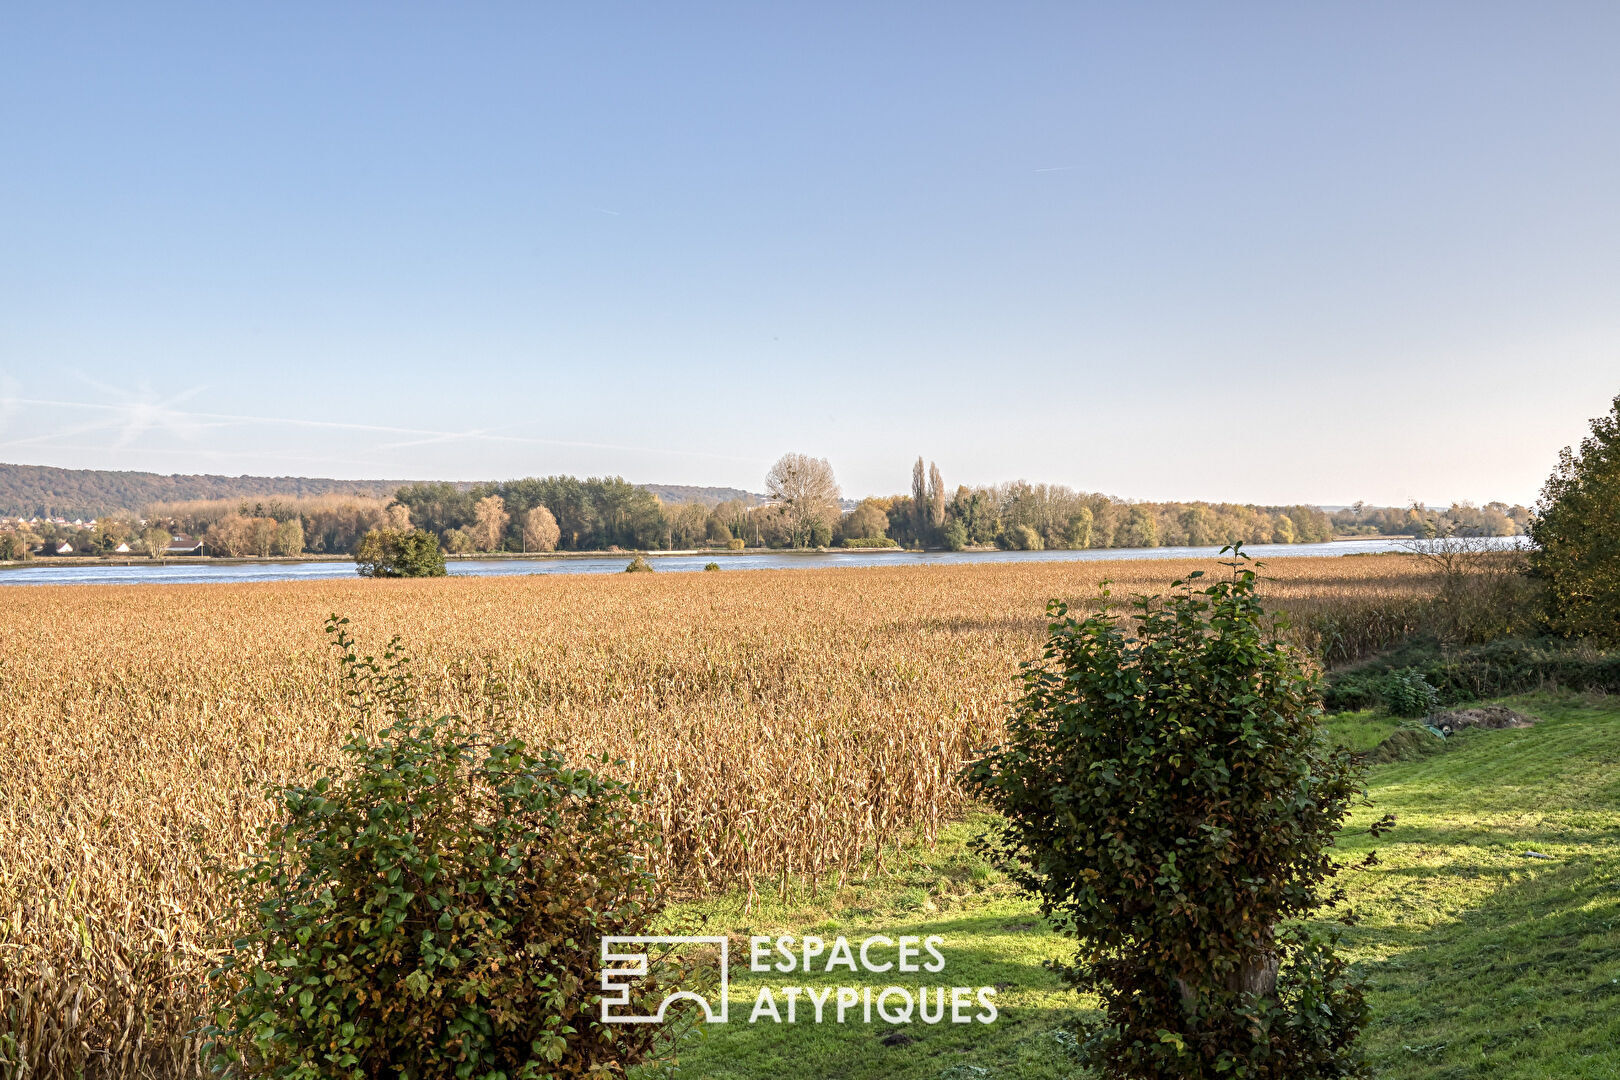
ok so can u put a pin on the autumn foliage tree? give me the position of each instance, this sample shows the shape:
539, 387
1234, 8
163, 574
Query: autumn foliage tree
289, 537
867, 521
936, 498
540, 532
236, 535
156, 540
489, 522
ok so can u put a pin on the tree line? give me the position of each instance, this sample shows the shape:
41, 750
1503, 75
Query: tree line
276, 525
1023, 516
1459, 519
804, 509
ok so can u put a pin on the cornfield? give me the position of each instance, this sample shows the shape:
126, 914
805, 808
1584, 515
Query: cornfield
781, 723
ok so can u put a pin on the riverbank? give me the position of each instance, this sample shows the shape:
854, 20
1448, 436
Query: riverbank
69, 561
197, 570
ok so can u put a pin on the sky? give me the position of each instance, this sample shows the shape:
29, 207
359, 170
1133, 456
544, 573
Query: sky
1253, 252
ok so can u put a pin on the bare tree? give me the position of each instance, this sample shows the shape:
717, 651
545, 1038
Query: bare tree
688, 524
491, 518
806, 490
1455, 555
540, 532
1483, 592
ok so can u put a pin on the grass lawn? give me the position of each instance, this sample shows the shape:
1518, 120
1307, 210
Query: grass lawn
1489, 941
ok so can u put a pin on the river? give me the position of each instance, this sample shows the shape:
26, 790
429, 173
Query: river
183, 572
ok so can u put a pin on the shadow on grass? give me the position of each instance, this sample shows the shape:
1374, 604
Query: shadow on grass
1002, 950
1525, 983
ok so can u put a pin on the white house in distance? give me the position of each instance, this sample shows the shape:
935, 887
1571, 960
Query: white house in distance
64, 548
183, 545
121, 549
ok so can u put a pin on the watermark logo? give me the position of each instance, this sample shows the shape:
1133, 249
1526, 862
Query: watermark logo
925, 996
625, 958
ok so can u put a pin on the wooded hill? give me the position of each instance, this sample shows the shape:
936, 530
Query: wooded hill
677, 494
44, 491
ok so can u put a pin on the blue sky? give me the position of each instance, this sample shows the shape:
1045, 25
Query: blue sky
1268, 252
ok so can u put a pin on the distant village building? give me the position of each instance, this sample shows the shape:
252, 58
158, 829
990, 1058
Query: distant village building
183, 545
122, 549
64, 548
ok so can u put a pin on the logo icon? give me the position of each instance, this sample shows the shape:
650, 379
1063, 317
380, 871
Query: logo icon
625, 958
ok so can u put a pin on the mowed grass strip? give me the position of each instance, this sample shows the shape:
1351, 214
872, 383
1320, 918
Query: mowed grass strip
1481, 958
1491, 939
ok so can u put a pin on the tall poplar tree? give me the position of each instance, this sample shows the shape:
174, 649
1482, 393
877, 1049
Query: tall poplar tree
919, 499
936, 498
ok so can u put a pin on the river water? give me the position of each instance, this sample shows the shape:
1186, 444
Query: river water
183, 572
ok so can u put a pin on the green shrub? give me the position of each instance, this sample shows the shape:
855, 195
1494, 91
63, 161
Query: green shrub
1170, 801
431, 907
639, 565
1507, 666
711, 566
869, 542
1517, 665
955, 536
1407, 693
1024, 538
736, 543
1352, 692
399, 553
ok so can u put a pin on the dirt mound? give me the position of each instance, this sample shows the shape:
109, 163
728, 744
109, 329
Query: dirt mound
1487, 716
1405, 744
1418, 740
